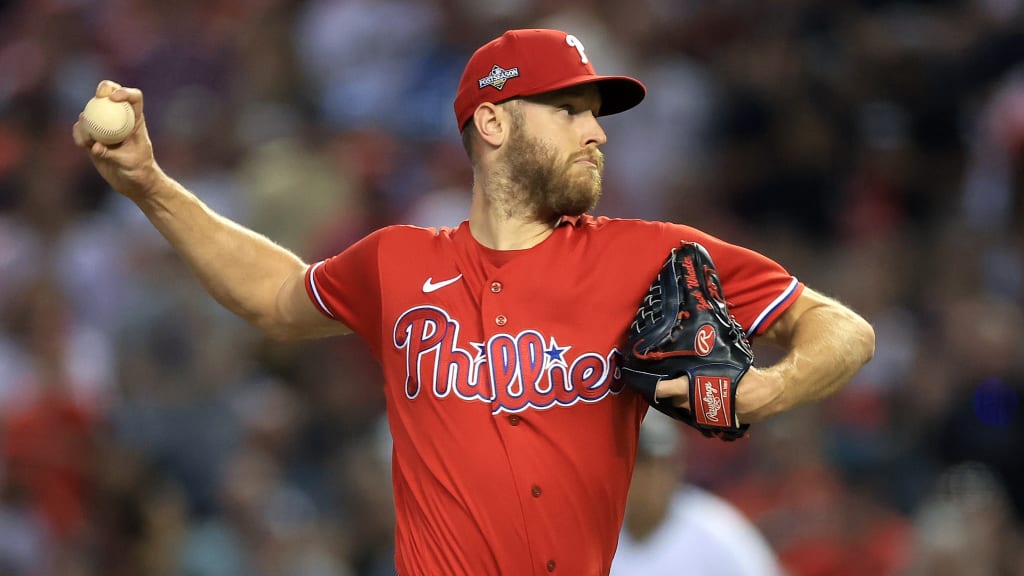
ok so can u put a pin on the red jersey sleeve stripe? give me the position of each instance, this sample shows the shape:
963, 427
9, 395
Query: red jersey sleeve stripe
314, 294
777, 306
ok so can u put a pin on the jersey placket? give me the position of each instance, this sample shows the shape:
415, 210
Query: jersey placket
497, 309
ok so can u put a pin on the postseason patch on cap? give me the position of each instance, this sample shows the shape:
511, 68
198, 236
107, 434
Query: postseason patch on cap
498, 77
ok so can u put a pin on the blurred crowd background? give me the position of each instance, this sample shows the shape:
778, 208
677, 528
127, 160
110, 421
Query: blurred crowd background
875, 148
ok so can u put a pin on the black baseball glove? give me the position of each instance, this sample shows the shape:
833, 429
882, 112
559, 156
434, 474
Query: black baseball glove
683, 326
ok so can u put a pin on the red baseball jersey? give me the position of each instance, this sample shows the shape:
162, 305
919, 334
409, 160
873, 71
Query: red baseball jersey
514, 439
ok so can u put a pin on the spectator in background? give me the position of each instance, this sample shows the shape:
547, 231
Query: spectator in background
24, 543
982, 421
965, 527
47, 442
672, 527
821, 519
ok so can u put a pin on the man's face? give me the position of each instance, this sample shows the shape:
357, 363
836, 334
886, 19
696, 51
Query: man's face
552, 154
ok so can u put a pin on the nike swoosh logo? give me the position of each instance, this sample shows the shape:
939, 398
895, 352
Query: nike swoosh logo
430, 286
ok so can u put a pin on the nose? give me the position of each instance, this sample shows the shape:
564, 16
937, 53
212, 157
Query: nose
593, 134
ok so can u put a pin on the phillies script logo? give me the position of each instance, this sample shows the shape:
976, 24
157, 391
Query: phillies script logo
509, 372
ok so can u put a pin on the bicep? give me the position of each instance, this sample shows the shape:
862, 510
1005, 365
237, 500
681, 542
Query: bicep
783, 329
300, 317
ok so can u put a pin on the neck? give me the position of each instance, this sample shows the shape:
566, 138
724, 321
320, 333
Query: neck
498, 225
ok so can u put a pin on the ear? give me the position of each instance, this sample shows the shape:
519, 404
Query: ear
492, 124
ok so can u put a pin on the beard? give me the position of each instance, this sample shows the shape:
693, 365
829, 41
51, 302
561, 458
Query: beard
546, 186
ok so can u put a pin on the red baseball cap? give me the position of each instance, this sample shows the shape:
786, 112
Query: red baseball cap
531, 62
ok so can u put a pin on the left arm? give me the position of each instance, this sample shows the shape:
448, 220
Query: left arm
826, 343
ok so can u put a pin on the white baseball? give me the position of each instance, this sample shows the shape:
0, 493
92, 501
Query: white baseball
108, 122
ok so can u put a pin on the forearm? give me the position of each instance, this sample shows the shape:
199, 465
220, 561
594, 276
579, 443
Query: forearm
827, 345
242, 270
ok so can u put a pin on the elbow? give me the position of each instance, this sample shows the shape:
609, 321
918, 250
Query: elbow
278, 332
284, 328
274, 328
865, 341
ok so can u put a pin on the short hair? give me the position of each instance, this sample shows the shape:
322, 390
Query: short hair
469, 132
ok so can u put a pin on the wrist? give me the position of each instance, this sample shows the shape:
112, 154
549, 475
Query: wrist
759, 395
147, 183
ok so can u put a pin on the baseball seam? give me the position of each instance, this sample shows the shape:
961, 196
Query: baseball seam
122, 129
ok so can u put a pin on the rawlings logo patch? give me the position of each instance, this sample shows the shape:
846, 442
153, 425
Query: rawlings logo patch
712, 401
704, 341
498, 77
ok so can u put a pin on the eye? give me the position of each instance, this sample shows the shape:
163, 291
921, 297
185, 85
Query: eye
570, 109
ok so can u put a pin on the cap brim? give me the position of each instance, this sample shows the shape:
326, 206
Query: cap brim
618, 93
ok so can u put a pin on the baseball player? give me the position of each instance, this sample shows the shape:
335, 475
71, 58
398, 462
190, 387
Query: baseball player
669, 519
499, 339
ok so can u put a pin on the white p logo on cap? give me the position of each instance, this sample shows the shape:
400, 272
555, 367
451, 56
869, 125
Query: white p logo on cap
575, 43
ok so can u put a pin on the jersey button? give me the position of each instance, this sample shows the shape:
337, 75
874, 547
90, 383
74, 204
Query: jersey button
551, 565
500, 320
536, 491
495, 287
513, 420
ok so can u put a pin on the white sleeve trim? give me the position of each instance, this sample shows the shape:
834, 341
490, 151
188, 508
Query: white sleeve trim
316, 293
771, 308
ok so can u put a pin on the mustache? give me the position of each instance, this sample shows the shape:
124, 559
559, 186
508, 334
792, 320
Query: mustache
595, 156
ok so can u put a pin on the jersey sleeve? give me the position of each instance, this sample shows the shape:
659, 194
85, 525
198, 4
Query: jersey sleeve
346, 287
757, 288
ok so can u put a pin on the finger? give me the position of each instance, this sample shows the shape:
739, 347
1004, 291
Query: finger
676, 388
122, 94
98, 150
132, 96
106, 88
80, 135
